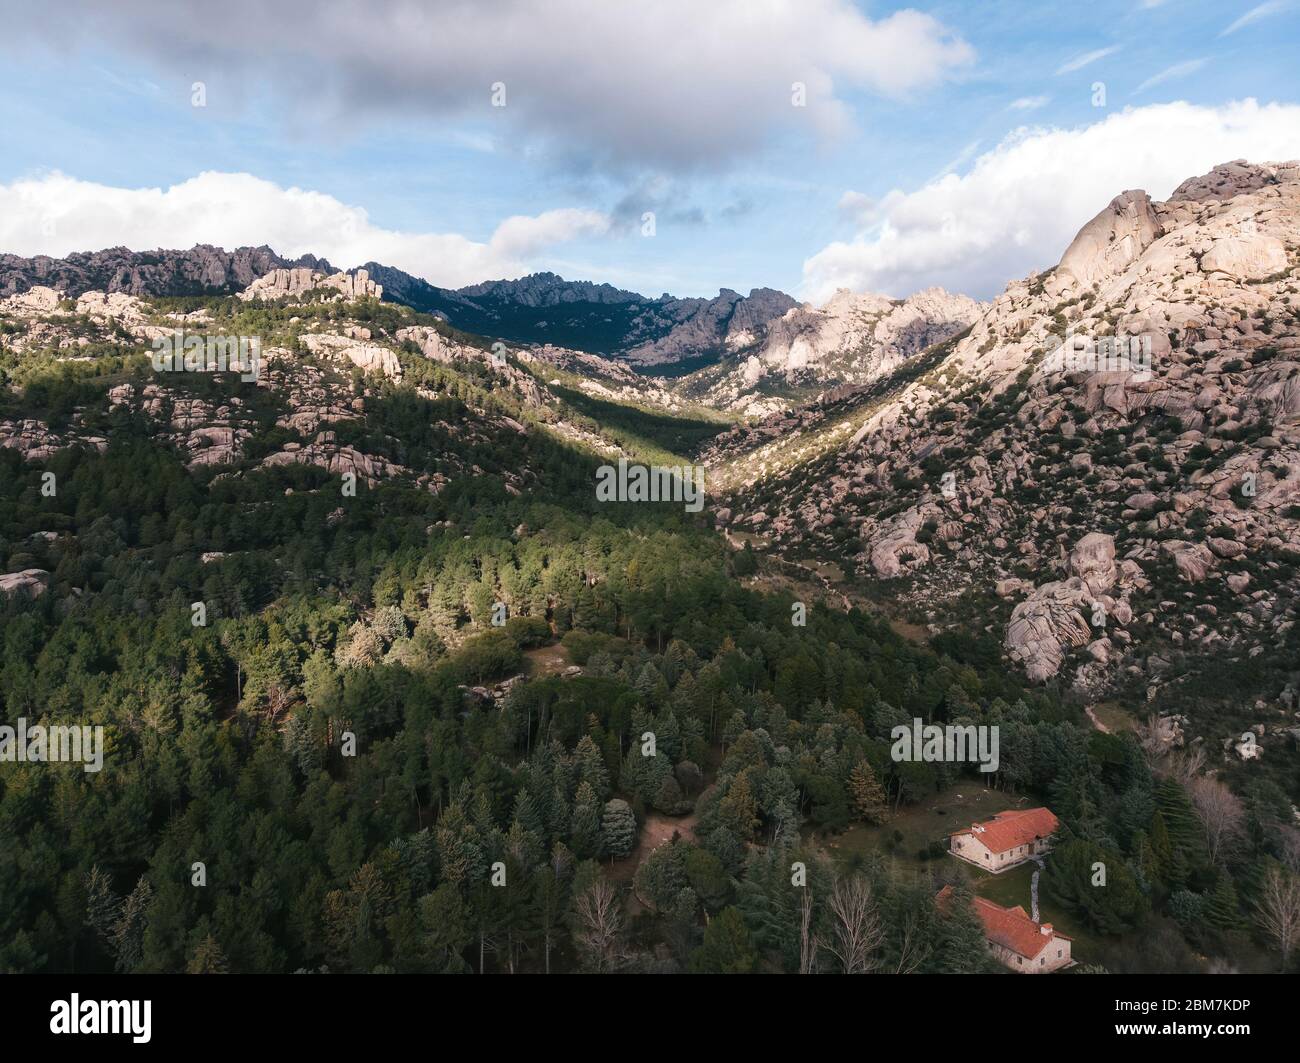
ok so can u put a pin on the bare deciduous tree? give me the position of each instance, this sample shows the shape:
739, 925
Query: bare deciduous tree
1221, 814
856, 930
599, 933
1278, 911
1154, 739
1186, 765
807, 940
913, 949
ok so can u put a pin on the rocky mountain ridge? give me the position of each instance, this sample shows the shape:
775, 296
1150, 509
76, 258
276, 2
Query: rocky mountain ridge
202, 270
853, 339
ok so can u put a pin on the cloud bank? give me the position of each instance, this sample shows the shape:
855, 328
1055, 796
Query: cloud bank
1020, 205
674, 85
56, 214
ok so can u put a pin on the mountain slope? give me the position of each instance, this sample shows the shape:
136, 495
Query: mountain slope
851, 340
1098, 520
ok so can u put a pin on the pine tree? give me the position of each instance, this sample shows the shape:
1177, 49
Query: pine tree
738, 809
727, 947
584, 833
869, 799
208, 958
618, 828
103, 906
591, 766
128, 932
1221, 909
962, 947
1162, 851
445, 925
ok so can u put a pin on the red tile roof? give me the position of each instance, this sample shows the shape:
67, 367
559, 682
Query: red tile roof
1008, 830
1009, 927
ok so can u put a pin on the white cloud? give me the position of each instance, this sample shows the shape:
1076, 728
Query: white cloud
1086, 59
671, 84
1021, 204
1178, 70
857, 207
1029, 103
1265, 10
56, 214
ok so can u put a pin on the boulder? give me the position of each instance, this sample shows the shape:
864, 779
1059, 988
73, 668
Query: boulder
29, 583
1245, 257
1093, 561
1043, 625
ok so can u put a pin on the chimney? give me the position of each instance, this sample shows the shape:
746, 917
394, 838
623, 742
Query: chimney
1045, 929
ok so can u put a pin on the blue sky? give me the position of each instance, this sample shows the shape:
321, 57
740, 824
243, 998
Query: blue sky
958, 144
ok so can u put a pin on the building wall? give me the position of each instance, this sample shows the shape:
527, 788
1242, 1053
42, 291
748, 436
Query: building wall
971, 848
1045, 963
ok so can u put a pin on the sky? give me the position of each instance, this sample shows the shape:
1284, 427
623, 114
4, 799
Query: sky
668, 146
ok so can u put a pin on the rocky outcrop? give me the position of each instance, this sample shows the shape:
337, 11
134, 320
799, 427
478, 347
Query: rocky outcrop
38, 299
337, 459
369, 357
35, 442
680, 329
1231, 179
545, 309
291, 283
1067, 613
1193, 560
1246, 258
1093, 561
1045, 624
894, 544
1108, 244
29, 583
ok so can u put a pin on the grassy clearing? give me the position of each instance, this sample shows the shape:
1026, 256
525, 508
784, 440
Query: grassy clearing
1114, 716
546, 660
911, 830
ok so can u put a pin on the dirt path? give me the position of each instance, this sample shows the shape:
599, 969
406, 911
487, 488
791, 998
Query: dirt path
1095, 721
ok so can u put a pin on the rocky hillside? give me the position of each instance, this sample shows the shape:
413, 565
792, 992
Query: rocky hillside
345, 383
1103, 472
852, 339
